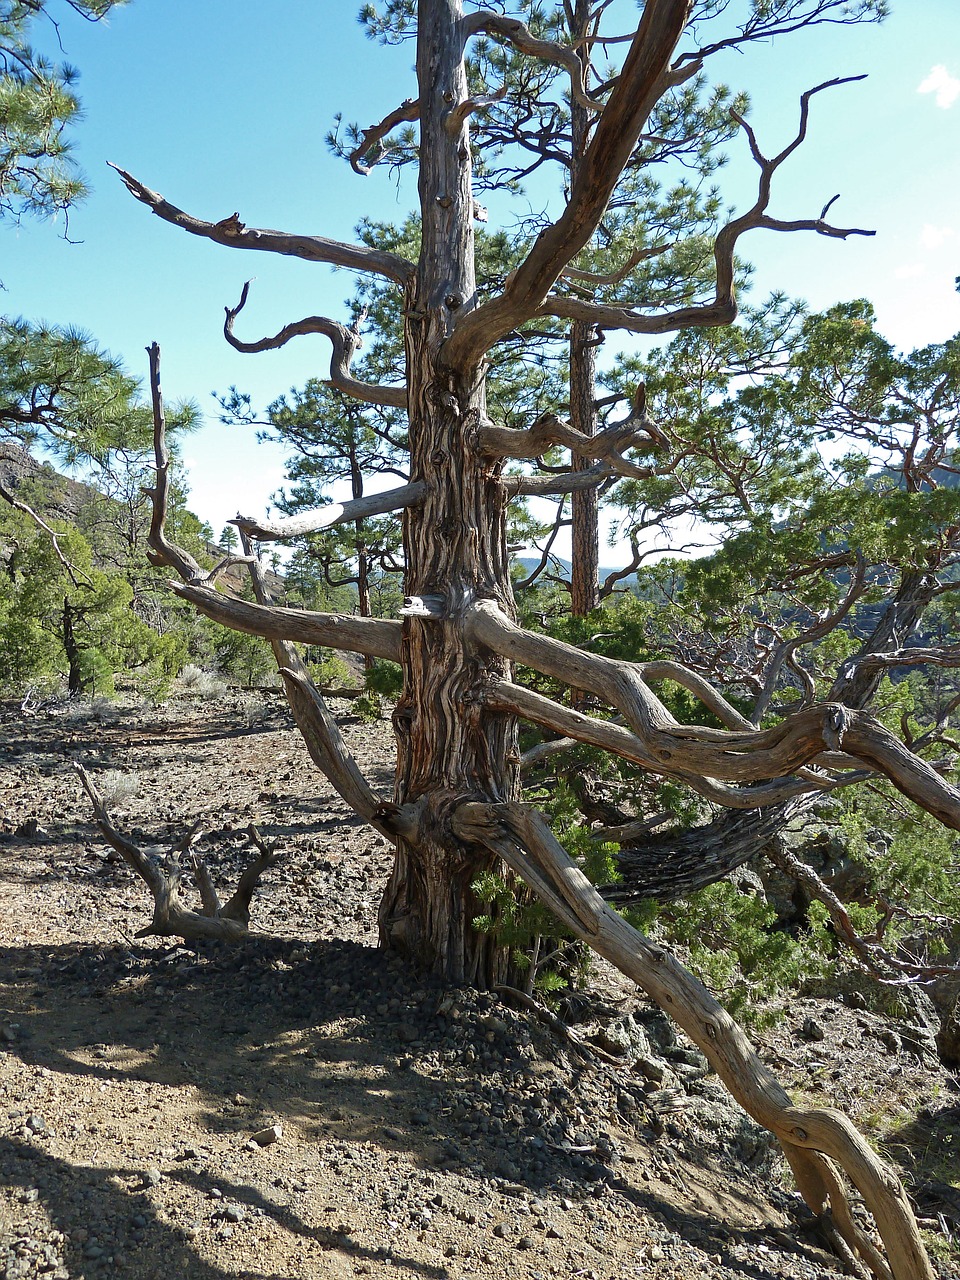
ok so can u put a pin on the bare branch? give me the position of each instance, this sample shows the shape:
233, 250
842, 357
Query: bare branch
599, 281
549, 430
376, 504
722, 309
515, 699
75, 575
170, 916
345, 343
624, 115
695, 751
519, 486
464, 110
377, 637
523, 39
232, 233
164, 552
407, 112
811, 1137
238, 908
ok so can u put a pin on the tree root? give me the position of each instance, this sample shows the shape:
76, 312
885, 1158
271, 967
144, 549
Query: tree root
225, 922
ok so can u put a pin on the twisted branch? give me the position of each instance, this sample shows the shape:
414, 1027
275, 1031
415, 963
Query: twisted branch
344, 341
232, 233
812, 1138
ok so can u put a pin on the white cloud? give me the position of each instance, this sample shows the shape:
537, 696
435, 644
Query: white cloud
909, 271
932, 237
943, 84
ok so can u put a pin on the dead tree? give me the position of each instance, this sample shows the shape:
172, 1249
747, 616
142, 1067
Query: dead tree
456, 811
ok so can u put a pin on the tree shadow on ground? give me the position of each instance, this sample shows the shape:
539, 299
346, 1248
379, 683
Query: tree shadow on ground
347, 1049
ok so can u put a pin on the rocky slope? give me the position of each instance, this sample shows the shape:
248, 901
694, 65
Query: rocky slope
306, 1105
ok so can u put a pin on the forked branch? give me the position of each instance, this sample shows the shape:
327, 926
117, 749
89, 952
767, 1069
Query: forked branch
229, 923
363, 157
722, 308
524, 41
812, 1138
162, 550
606, 446
696, 751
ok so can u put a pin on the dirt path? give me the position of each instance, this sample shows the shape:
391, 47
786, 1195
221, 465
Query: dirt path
416, 1131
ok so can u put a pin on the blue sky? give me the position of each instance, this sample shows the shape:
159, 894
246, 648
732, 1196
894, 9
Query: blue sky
223, 105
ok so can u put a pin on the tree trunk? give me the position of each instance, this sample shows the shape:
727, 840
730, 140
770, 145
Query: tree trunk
72, 650
585, 567
585, 559
455, 548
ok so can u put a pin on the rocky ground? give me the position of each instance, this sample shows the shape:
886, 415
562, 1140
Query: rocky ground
307, 1106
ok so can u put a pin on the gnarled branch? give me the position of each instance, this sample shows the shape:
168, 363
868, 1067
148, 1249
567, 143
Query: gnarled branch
722, 309
232, 233
698, 752
170, 917
376, 637
406, 113
345, 343
812, 1138
375, 504
523, 39
162, 550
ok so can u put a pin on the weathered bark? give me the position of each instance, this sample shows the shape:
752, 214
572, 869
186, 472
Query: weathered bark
812, 1138
585, 503
675, 863
455, 544
72, 650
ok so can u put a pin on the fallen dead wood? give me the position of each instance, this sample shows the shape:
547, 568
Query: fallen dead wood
225, 922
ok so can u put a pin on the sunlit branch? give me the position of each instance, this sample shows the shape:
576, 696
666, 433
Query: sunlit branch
697, 751
162, 550
345, 343
553, 486
374, 504
376, 637
406, 113
232, 233
549, 430
523, 40
722, 309
600, 280
515, 699
464, 110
